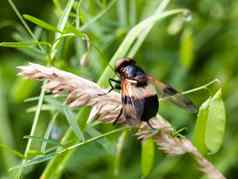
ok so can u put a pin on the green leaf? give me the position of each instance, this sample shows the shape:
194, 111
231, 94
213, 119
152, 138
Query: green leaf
147, 156
186, 49
22, 44
41, 23
210, 127
199, 131
216, 121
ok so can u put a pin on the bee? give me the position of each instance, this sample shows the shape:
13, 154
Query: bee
139, 92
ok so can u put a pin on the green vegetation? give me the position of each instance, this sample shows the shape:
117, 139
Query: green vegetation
184, 43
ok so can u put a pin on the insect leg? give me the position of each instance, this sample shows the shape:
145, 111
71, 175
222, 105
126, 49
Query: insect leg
112, 87
117, 86
118, 117
117, 82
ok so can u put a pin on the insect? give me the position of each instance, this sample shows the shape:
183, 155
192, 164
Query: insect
139, 92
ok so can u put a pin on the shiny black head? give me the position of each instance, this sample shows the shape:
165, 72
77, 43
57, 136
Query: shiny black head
127, 68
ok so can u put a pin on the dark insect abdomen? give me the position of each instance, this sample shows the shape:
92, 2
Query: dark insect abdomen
145, 108
151, 105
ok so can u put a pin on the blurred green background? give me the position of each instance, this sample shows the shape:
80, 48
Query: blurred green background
185, 52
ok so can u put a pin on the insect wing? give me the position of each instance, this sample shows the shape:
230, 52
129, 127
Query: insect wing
168, 92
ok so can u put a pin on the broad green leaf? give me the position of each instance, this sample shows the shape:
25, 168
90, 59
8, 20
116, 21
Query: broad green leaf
210, 127
199, 131
216, 121
147, 156
186, 49
41, 23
